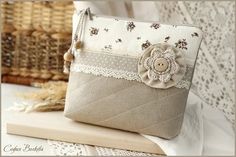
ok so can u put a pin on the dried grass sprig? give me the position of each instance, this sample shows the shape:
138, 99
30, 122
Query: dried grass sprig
50, 97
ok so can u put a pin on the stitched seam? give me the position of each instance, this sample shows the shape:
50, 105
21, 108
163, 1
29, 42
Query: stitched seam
99, 99
158, 123
107, 119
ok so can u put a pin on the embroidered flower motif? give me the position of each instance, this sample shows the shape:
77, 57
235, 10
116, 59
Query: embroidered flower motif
107, 48
145, 45
93, 31
195, 34
118, 40
130, 26
167, 38
182, 44
106, 29
161, 66
155, 25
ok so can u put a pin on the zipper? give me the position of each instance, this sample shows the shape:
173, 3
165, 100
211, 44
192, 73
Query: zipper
88, 12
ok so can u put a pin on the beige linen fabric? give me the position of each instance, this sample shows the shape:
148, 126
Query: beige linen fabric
97, 95
126, 105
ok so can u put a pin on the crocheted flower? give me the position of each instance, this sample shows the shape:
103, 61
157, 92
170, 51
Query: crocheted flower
161, 66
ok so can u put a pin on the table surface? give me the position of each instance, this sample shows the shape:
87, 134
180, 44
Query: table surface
13, 144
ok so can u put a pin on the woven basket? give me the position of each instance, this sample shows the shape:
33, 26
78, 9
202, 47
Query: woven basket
7, 13
7, 43
34, 39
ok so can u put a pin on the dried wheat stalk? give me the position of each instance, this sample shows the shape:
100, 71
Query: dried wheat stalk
50, 97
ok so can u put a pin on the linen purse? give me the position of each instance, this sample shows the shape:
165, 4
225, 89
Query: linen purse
128, 74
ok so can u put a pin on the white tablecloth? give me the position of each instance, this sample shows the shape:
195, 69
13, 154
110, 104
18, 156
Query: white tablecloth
205, 131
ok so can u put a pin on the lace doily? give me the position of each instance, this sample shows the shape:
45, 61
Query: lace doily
73, 149
214, 75
67, 149
102, 151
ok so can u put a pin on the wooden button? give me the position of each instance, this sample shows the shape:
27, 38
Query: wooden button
161, 64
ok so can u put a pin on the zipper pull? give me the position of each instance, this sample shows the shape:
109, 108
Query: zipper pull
88, 12
68, 56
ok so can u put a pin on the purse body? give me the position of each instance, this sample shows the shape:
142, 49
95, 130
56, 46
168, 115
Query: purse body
109, 85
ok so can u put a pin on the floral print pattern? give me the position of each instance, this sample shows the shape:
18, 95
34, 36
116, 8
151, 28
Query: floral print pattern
130, 26
107, 48
182, 44
195, 34
106, 29
118, 40
145, 45
93, 31
155, 25
167, 38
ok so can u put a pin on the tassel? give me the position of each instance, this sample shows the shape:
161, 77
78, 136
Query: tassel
50, 97
76, 42
66, 67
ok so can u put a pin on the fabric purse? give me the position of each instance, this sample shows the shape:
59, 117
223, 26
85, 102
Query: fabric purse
128, 74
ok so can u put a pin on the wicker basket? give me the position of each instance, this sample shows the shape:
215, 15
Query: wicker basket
7, 43
7, 11
34, 38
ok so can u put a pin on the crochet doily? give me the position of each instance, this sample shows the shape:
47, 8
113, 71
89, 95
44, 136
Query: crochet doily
161, 66
214, 75
73, 149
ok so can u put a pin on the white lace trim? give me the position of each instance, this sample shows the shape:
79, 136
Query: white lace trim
183, 84
120, 74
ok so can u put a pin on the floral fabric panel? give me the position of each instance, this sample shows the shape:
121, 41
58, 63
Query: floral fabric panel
131, 37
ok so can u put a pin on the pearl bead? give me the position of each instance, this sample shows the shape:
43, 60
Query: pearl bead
68, 57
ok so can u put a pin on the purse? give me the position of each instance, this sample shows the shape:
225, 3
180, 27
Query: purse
128, 74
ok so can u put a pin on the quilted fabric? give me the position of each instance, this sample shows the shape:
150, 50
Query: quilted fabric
126, 105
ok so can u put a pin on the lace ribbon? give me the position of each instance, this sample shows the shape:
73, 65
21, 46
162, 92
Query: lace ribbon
120, 67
